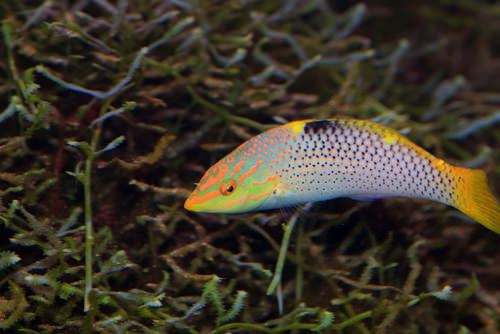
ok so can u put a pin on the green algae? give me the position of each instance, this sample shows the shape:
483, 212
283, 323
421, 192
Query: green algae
109, 111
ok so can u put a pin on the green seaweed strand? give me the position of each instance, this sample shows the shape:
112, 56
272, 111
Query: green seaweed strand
282, 255
89, 237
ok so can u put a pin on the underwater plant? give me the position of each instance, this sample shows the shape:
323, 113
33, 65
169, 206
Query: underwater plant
110, 109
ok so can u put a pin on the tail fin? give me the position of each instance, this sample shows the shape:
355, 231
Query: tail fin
474, 198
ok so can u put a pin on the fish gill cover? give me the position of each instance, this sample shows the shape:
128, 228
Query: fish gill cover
110, 110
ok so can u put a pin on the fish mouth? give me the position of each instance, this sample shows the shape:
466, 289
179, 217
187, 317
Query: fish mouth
196, 203
193, 204
190, 205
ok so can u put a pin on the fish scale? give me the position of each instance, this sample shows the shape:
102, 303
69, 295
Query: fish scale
317, 160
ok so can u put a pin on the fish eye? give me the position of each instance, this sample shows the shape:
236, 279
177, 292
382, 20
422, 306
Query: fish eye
227, 189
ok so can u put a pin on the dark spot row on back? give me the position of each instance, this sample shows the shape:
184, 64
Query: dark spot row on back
315, 127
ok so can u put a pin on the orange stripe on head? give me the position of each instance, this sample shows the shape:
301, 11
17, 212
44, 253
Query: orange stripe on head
267, 193
250, 172
270, 178
223, 168
197, 200
236, 200
238, 166
245, 198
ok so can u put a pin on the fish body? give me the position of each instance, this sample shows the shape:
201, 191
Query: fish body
317, 160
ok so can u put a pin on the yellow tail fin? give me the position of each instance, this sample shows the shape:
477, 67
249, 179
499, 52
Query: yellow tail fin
475, 199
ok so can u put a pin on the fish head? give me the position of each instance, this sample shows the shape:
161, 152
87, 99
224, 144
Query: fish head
240, 182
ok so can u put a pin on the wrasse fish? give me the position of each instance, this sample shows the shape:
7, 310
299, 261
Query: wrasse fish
317, 160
